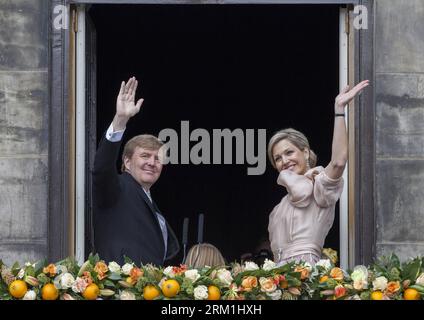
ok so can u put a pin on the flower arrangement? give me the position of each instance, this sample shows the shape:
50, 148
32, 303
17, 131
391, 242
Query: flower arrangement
386, 279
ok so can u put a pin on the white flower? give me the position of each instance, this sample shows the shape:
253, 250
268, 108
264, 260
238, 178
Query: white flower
79, 285
126, 268
21, 273
28, 264
268, 265
379, 283
114, 267
250, 266
201, 293
160, 284
224, 276
308, 266
192, 275
168, 272
324, 263
61, 269
67, 280
30, 295
276, 295
360, 277
127, 295
420, 280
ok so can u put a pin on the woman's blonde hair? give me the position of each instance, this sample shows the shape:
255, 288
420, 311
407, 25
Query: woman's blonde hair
295, 137
204, 254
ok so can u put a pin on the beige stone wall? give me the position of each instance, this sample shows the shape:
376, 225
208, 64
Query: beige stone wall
399, 184
23, 129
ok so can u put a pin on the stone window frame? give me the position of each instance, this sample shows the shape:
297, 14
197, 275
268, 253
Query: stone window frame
59, 215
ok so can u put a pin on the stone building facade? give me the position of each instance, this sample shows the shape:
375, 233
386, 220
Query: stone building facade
28, 214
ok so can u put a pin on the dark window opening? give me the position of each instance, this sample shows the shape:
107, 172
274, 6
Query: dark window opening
222, 66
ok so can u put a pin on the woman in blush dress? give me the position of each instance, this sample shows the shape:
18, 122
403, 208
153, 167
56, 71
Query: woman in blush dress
299, 224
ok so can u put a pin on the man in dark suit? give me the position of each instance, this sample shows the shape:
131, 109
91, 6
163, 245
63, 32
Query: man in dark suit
126, 219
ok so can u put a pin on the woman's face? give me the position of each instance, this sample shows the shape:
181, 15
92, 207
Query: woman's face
288, 157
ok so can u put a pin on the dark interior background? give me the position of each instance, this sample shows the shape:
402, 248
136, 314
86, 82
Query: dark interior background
222, 66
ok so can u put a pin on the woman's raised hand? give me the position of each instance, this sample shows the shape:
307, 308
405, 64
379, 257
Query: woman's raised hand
125, 102
347, 95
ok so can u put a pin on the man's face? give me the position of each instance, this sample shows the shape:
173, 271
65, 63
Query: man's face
144, 166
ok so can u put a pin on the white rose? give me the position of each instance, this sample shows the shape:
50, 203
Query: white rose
324, 263
168, 272
379, 283
29, 295
276, 295
114, 267
224, 276
269, 265
127, 295
201, 293
420, 280
126, 268
67, 281
360, 277
21, 273
192, 275
250, 266
360, 284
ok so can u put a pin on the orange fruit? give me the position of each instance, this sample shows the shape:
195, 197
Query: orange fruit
323, 279
284, 284
18, 288
214, 293
170, 288
377, 295
91, 292
150, 292
49, 292
411, 294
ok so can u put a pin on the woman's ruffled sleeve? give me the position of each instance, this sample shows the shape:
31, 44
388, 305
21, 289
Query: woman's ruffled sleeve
327, 190
298, 187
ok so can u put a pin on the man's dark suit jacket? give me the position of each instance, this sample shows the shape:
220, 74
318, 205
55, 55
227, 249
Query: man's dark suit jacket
125, 222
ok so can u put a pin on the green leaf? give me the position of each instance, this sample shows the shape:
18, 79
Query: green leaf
114, 276
29, 271
39, 265
93, 259
411, 270
394, 260
109, 283
128, 260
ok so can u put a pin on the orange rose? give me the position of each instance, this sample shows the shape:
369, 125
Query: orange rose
87, 277
50, 270
304, 272
267, 284
337, 274
249, 283
393, 287
136, 273
101, 269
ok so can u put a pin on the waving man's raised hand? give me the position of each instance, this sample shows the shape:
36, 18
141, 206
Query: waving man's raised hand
125, 104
